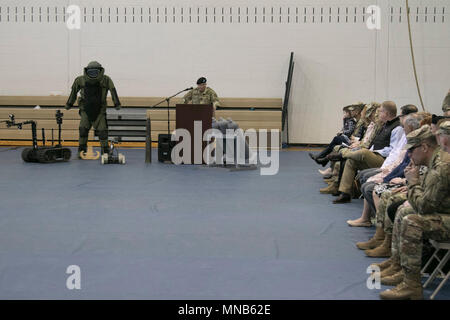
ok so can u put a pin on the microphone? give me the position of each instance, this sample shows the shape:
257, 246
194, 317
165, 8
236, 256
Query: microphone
189, 89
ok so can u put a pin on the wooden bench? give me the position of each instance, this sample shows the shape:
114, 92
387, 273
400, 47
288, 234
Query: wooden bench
256, 113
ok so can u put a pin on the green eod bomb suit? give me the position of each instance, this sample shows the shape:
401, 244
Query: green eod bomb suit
93, 87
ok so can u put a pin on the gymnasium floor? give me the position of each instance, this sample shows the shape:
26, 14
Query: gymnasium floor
159, 231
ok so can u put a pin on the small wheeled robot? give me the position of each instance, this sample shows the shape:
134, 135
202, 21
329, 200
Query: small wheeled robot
42, 154
113, 156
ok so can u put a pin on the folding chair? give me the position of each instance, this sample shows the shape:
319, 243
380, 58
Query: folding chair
438, 270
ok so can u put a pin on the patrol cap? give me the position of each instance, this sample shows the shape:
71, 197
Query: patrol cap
348, 108
444, 128
201, 80
371, 108
418, 136
358, 106
407, 109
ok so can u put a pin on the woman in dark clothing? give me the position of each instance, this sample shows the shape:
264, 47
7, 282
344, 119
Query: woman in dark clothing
342, 137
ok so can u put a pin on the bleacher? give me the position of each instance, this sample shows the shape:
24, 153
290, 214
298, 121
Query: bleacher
256, 113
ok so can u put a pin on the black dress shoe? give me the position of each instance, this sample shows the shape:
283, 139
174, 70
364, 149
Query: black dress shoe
336, 194
343, 198
322, 161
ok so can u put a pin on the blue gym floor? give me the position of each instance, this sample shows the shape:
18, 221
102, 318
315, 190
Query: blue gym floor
160, 231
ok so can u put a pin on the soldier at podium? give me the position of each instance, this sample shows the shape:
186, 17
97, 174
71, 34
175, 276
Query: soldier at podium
205, 95
202, 95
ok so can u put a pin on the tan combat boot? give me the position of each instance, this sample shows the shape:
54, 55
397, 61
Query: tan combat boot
332, 188
409, 288
383, 265
393, 280
394, 268
374, 242
383, 250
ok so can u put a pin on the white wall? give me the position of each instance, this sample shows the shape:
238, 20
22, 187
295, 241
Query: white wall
336, 63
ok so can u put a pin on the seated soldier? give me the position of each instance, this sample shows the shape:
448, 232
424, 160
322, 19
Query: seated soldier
386, 201
360, 114
446, 105
372, 125
443, 135
435, 119
426, 215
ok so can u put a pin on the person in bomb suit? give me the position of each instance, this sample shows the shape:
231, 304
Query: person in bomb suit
93, 86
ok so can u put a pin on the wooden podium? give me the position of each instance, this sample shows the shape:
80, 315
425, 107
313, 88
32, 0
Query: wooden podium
187, 114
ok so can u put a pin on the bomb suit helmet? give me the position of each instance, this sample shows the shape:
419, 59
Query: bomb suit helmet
94, 72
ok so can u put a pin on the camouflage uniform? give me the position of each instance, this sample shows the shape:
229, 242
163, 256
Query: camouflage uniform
368, 140
426, 215
208, 96
402, 212
425, 198
446, 103
387, 198
359, 106
92, 104
361, 122
365, 142
444, 135
431, 202
444, 128
377, 126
